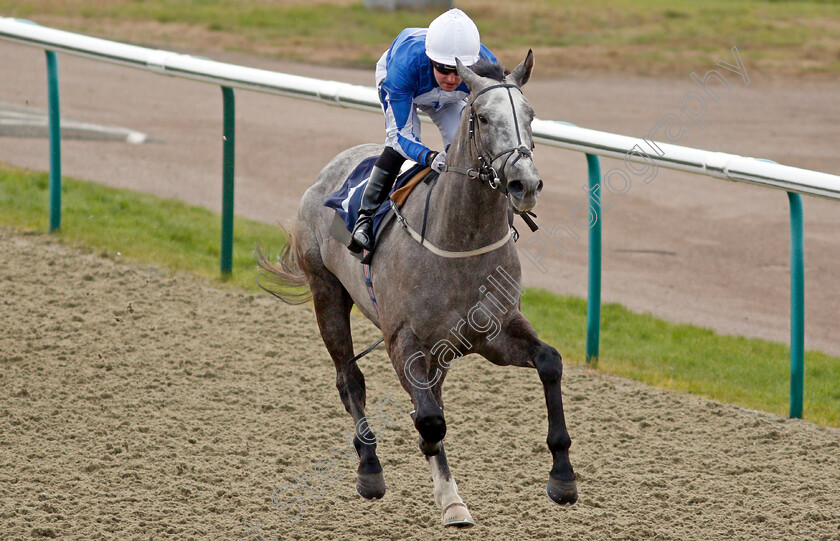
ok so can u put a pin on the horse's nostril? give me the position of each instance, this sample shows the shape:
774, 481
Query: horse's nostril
516, 187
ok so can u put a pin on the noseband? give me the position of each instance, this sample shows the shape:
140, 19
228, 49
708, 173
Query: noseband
486, 172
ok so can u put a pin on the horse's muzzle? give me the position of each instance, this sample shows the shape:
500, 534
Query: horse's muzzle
523, 194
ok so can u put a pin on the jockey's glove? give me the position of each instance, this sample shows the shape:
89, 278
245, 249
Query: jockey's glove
437, 161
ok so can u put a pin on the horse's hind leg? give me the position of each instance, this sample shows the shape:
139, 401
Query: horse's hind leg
518, 345
332, 309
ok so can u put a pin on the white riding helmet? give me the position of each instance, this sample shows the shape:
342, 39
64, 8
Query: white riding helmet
453, 35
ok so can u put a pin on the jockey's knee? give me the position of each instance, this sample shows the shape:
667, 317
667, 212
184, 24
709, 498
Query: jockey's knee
390, 160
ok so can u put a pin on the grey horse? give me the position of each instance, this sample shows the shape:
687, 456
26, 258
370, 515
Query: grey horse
456, 292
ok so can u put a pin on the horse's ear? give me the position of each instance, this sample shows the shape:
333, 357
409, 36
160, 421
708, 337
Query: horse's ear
522, 72
472, 80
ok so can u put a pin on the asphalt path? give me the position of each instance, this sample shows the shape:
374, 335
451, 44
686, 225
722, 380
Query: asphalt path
684, 247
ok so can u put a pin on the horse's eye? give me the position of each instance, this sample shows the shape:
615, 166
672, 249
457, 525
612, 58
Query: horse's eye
482, 118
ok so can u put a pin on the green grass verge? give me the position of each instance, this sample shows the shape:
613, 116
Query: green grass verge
746, 371
134, 227
147, 229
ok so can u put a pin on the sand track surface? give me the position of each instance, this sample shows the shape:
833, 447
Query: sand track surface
137, 404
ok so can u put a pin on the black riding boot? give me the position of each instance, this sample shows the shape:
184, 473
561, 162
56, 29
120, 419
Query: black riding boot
375, 193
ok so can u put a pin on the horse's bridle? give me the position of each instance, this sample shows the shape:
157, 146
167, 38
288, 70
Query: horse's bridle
486, 172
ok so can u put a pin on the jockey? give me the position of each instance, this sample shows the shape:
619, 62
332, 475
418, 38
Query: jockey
418, 72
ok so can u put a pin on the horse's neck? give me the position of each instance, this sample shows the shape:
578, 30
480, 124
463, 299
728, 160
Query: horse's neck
465, 213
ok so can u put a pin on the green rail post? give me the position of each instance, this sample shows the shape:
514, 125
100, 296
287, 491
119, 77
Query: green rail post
229, 152
797, 306
593, 309
55, 142
593, 306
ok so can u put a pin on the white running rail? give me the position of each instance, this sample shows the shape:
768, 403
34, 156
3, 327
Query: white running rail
713, 164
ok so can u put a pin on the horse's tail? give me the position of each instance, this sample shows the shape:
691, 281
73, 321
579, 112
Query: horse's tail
286, 280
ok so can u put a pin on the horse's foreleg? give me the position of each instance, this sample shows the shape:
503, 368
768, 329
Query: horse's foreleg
423, 381
518, 345
455, 512
561, 487
332, 308
413, 369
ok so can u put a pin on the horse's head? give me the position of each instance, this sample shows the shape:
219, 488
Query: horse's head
500, 130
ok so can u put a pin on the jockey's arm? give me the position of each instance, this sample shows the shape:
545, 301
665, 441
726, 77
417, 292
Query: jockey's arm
402, 124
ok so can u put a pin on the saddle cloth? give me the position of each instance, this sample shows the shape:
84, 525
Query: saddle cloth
347, 199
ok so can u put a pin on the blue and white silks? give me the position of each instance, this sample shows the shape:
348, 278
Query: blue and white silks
406, 82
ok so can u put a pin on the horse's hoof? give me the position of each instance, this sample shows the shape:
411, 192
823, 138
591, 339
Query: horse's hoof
370, 486
457, 515
562, 492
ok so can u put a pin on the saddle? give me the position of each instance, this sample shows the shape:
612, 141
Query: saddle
347, 200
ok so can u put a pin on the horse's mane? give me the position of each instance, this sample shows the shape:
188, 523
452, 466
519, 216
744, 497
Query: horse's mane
491, 70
